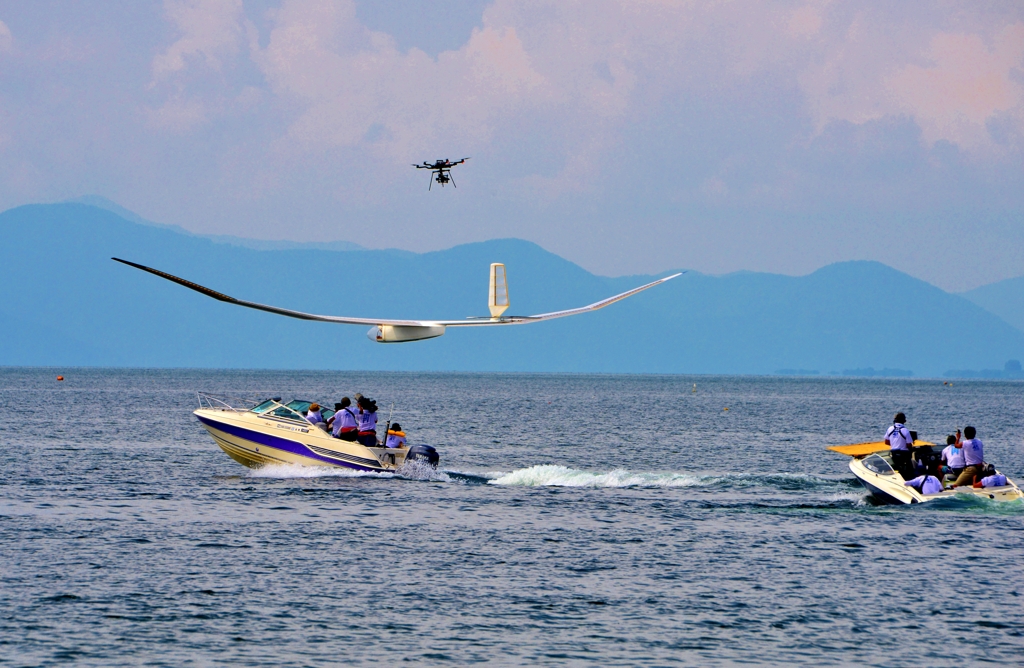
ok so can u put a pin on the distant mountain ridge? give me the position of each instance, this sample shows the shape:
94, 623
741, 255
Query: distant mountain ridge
255, 244
67, 303
1003, 298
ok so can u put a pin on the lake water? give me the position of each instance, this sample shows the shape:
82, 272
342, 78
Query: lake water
618, 520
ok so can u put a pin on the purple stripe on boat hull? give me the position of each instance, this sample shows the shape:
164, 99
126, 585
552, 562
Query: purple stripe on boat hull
278, 443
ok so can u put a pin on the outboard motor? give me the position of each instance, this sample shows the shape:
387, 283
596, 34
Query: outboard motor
424, 453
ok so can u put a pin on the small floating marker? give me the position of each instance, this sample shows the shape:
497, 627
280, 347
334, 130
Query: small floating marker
726, 408
695, 388
60, 378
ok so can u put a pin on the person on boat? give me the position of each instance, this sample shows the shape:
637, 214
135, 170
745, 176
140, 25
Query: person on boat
345, 422
396, 437
974, 458
367, 422
926, 484
953, 455
900, 442
992, 478
315, 418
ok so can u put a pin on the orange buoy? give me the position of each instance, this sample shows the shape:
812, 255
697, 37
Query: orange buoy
60, 378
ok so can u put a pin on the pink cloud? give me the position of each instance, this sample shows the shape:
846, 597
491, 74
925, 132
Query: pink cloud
6, 39
209, 28
964, 84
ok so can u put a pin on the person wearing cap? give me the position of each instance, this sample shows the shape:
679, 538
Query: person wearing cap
315, 417
900, 442
974, 458
396, 437
953, 455
367, 422
346, 425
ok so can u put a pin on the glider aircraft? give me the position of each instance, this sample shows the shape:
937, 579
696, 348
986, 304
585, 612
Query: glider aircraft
400, 331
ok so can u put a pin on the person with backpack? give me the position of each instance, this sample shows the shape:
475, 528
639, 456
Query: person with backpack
345, 423
926, 484
900, 442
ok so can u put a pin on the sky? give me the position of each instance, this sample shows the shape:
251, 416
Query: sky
631, 136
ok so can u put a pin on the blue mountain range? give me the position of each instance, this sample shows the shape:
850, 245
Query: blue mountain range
66, 303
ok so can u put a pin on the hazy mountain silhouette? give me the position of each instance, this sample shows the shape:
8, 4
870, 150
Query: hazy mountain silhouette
66, 303
1005, 299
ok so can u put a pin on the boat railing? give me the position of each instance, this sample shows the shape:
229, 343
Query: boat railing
207, 400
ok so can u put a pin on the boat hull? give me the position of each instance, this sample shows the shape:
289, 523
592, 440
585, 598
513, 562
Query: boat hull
256, 441
889, 488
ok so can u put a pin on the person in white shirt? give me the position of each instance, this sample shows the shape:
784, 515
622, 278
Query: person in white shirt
926, 484
953, 456
315, 417
368, 422
346, 425
900, 442
994, 480
974, 458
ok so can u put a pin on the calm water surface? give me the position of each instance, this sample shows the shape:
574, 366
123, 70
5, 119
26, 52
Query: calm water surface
617, 520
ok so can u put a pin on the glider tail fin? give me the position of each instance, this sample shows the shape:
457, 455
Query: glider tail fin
497, 295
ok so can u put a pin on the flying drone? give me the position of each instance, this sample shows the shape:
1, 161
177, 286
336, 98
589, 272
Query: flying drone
441, 171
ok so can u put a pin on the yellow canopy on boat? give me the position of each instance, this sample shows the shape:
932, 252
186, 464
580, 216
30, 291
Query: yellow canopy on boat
861, 449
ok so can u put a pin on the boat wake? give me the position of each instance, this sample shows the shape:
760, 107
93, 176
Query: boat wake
414, 470
289, 471
551, 475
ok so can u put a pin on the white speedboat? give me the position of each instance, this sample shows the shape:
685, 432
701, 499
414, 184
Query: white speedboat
276, 432
872, 465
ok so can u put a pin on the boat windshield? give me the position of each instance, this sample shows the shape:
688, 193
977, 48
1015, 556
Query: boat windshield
878, 465
264, 407
295, 410
300, 406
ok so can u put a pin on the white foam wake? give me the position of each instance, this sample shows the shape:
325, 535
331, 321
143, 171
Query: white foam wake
414, 470
288, 471
561, 476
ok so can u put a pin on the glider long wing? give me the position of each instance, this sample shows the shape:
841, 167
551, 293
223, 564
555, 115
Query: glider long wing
469, 322
524, 319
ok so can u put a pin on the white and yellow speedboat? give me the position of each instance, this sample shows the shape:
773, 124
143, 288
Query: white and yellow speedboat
872, 465
273, 432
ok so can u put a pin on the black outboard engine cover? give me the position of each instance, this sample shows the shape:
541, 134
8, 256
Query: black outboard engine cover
423, 453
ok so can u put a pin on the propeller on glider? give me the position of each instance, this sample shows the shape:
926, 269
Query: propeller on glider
399, 331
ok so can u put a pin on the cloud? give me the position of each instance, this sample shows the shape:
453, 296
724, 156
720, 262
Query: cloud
192, 74
6, 39
347, 80
952, 84
209, 30
805, 21
629, 135
963, 86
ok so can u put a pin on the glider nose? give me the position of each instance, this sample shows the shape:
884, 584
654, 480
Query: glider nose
375, 334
